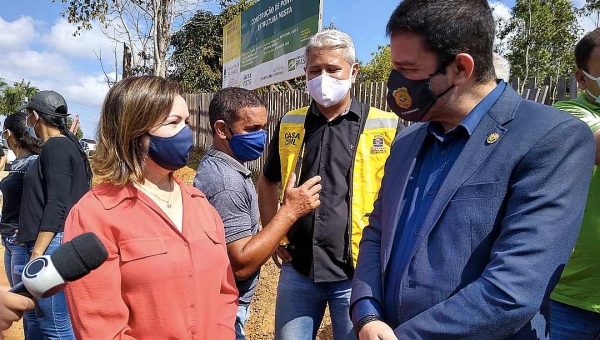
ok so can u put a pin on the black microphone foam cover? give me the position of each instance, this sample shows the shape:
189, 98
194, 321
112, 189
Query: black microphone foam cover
76, 258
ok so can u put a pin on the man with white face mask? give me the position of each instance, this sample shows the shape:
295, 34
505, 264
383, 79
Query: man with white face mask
575, 300
346, 143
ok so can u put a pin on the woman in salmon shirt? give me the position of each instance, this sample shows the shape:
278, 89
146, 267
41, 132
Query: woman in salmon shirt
167, 275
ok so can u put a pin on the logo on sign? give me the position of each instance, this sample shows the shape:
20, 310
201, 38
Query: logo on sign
291, 65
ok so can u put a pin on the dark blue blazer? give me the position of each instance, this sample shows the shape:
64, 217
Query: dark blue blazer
498, 234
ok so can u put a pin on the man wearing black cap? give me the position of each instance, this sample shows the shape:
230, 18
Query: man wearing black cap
58, 179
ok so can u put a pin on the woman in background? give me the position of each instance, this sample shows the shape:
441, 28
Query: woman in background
59, 178
26, 149
168, 274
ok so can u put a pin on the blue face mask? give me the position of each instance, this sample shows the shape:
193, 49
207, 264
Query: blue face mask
248, 146
171, 153
31, 129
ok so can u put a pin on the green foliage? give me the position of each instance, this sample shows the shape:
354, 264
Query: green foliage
84, 12
541, 36
11, 97
379, 68
197, 59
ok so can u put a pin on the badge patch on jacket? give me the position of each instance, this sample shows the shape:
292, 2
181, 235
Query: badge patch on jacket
378, 145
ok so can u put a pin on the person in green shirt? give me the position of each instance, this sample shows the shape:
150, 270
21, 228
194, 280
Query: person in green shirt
575, 308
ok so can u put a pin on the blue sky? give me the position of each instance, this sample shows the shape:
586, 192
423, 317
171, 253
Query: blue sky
36, 44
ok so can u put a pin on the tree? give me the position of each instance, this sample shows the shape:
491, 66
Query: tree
11, 97
541, 35
197, 58
144, 26
379, 68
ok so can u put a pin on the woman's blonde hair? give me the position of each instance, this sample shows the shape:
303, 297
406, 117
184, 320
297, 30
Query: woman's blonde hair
131, 108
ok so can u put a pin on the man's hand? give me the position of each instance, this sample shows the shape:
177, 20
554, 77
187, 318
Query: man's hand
376, 330
303, 199
297, 202
12, 307
283, 254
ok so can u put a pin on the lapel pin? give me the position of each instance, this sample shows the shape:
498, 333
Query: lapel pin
492, 138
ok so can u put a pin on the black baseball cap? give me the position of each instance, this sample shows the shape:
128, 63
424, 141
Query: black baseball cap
47, 102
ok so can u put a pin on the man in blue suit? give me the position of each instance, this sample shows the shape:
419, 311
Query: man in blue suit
481, 202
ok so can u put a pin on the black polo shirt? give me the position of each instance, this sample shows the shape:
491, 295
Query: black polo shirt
319, 241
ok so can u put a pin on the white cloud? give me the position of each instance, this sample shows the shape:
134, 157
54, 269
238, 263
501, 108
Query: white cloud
87, 44
89, 90
500, 10
16, 35
34, 65
50, 57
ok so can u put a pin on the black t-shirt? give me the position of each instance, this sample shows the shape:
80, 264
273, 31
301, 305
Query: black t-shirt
320, 247
2, 152
12, 191
50, 189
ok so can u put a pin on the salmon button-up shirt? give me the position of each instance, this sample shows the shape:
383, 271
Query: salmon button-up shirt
158, 283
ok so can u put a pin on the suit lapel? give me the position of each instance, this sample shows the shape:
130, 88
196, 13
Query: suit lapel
405, 165
476, 150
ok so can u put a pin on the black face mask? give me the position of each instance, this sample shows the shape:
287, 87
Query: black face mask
411, 99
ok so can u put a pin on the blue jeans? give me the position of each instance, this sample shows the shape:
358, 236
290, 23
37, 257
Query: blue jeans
240, 321
15, 258
52, 313
301, 305
572, 323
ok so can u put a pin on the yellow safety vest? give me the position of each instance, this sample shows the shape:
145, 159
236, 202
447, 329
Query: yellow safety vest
373, 149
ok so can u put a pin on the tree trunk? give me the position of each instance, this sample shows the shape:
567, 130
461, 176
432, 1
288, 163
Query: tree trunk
162, 28
126, 61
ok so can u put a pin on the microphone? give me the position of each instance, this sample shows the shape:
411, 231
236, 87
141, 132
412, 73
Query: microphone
47, 275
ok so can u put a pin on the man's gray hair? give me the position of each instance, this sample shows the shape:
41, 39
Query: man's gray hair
332, 39
502, 67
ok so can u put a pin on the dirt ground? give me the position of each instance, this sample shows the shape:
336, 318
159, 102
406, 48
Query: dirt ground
261, 323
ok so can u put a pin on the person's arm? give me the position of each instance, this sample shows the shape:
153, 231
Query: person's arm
268, 199
2, 161
249, 253
540, 224
228, 294
95, 302
57, 172
12, 307
597, 139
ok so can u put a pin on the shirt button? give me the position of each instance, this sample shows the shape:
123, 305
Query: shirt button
193, 305
191, 275
430, 192
443, 152
417, 233
186, 244
327, 145
319, 217
193, 331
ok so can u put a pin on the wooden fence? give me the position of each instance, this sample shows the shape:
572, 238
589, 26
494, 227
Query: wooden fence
374, 94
